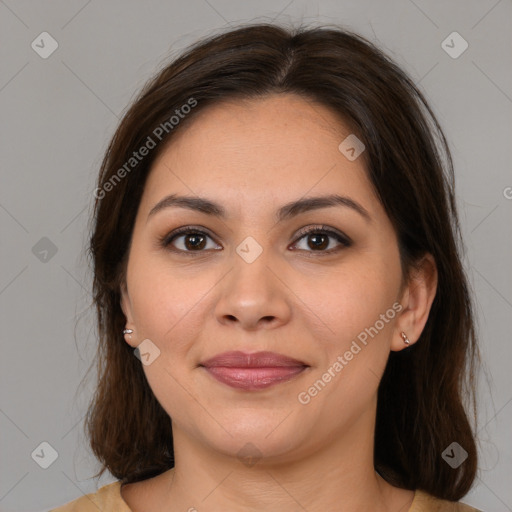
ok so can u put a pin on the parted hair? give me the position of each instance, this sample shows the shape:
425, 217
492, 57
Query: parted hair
426, 397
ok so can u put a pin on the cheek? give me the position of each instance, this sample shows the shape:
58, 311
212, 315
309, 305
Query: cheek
163, 310
347, 300
163, 299
356, 308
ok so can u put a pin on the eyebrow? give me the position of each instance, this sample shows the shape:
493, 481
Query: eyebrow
286, 212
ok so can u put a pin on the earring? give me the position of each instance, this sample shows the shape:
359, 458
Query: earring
405, 338
129, 332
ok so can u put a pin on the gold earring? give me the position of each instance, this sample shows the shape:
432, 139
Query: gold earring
407, 341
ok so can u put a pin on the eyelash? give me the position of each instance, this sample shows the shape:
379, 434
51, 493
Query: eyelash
344, 240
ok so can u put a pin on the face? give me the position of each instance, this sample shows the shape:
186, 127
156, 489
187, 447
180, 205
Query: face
317, 285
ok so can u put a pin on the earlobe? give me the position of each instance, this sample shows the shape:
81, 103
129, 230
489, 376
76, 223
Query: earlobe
129, 329
417, 300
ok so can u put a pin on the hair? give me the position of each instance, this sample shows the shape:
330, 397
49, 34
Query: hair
420, 407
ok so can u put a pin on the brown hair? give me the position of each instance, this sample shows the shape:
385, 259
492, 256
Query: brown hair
420, 409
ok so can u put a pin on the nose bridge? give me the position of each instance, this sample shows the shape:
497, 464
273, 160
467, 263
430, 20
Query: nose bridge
252, 291
251, 273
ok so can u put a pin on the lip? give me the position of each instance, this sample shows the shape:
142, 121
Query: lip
253, 371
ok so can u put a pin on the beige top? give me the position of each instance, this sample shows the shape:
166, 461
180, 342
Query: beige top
108, 499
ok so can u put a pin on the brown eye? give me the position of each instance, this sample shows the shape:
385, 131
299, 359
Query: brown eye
188, 240
318, 239
194, 241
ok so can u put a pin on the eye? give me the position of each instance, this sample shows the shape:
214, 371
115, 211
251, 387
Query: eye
193, 240
189, 239
318, 239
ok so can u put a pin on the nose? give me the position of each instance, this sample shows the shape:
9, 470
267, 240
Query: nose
253, 296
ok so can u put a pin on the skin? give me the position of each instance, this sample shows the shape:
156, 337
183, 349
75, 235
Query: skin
252, 157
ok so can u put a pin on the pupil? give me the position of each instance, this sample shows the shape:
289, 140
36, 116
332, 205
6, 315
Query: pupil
194, 244
319, 245
196, 241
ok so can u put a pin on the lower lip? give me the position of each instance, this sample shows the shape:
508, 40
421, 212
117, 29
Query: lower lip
254, 378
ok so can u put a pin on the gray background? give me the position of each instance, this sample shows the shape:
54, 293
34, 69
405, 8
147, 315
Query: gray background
58, 115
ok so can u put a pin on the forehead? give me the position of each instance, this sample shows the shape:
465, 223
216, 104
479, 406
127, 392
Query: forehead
248, 150
270, 122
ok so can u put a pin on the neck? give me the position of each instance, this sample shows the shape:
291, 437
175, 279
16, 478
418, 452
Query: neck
335, 474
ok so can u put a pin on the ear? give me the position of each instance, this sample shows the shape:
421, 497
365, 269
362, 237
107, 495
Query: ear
126, 307
416, 300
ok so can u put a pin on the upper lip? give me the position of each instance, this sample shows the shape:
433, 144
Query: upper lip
237, 359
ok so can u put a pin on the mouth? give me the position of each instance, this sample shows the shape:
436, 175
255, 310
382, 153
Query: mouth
254, 371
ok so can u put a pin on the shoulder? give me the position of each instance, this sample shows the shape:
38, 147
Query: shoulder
424, 502
107, 497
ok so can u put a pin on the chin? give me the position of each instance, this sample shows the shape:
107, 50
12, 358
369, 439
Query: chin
256, 435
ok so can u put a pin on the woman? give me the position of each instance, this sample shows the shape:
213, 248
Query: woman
276, 238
